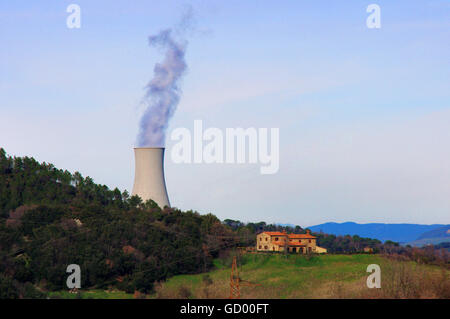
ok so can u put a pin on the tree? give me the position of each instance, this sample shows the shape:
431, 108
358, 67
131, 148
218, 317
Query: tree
135, 201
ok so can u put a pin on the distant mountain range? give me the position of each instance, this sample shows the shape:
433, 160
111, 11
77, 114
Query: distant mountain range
434, 236
413, 234
441, 232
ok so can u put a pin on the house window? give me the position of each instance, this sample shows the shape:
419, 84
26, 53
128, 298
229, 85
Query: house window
260, 246
310, 241
265, 247
276, 238
266, 238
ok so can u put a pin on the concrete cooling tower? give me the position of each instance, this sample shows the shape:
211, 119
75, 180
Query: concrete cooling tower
149, 182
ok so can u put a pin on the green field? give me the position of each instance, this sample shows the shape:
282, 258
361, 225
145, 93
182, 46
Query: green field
324, 276
280, 276
91, 294
299, 276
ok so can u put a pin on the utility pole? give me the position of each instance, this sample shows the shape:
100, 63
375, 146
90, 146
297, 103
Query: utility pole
234, 281
235, 292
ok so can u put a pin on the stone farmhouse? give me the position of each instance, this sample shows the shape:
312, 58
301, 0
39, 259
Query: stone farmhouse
292, 243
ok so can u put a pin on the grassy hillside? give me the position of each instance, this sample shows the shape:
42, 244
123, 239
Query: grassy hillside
91, 294
327, 276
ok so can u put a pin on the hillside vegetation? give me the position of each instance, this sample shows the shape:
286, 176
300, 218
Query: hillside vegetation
326, 276
50, 218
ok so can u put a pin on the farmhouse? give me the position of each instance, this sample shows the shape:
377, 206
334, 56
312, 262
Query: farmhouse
293, 243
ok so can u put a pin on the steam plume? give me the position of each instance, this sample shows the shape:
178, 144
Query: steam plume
163, 91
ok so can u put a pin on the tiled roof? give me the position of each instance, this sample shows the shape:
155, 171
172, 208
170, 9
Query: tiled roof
274, 233
293, 236
301, 236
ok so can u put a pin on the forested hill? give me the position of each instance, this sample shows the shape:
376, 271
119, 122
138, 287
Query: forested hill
50, 218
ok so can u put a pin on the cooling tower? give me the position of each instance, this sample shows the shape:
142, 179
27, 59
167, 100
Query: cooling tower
149, 182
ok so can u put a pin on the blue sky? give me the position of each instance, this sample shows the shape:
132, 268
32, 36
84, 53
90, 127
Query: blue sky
363, 113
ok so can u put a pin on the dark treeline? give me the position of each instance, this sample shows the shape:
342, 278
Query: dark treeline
347, 244
256, 228
50, 218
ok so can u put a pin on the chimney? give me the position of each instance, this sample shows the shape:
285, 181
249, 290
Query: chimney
308, 232
149, 182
